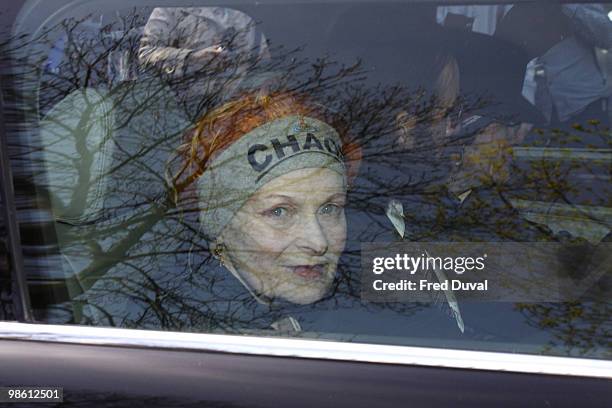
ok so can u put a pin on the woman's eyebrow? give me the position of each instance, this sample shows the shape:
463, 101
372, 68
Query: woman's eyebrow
336, 195
281, 196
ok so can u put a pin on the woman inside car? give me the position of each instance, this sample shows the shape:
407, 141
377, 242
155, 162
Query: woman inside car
271, 176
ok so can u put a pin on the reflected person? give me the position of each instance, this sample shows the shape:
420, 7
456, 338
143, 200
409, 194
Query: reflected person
203, 51
461, 153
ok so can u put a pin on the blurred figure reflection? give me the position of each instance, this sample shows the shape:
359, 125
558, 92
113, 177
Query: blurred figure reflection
202, 48
563, 78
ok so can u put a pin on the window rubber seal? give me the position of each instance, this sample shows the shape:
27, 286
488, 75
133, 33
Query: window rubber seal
21, 297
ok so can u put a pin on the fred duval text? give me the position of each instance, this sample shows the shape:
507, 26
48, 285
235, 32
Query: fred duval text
423, 284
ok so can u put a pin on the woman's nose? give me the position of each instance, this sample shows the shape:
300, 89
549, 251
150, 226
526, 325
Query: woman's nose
312, 237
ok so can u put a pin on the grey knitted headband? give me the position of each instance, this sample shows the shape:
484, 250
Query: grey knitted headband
269, 151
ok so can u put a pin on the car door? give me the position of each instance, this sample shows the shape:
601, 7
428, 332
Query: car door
112, 292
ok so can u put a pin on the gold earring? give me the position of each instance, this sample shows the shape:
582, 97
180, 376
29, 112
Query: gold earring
218, 252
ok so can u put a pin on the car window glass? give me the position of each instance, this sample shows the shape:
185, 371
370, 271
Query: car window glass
393, 172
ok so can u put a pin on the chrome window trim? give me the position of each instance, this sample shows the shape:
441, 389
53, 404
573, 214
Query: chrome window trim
311, 349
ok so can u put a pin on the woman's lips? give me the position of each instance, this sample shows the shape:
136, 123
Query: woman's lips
309, 271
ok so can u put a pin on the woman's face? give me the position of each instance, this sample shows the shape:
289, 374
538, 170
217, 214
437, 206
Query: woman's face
287, 238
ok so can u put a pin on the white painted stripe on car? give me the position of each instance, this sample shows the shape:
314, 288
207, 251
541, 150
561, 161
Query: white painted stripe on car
314, 349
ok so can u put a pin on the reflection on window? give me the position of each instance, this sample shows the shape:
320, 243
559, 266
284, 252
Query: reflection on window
216, 169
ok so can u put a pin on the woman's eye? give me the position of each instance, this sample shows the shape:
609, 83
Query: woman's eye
277, 212
330, 209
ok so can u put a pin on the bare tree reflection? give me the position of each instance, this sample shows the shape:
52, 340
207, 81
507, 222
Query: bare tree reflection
131, 256
578, 327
